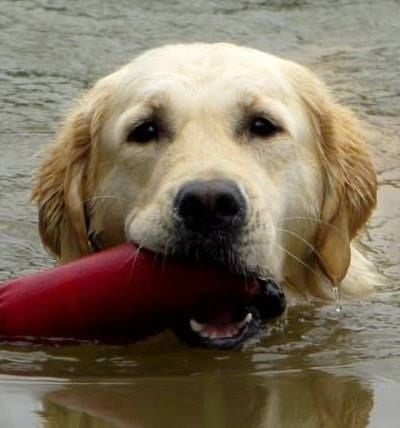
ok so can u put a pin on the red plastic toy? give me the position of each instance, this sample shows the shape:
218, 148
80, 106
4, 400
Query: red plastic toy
117, 294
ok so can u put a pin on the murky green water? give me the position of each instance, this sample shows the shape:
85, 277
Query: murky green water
318, 369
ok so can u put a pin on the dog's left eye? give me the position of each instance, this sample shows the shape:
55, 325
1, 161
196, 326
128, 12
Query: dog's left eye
262, 127
144, 133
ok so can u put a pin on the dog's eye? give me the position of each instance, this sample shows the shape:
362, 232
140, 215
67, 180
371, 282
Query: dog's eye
144, 133
262, 127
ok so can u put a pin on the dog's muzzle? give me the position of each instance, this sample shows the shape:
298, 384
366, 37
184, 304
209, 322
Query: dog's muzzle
209, 217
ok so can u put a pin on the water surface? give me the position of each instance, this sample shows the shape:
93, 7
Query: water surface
318, 368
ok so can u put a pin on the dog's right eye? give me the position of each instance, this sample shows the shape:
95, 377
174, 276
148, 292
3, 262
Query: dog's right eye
144, 133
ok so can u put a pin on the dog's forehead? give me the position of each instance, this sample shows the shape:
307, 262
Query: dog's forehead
216, 71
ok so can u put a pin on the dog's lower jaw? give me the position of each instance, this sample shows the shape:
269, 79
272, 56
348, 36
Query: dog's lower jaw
225, 331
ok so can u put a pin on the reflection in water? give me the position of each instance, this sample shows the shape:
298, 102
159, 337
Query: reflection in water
315, 370
320, 369
310, 399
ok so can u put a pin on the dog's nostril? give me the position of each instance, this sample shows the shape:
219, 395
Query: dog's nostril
226, 205
203, 205
191, 205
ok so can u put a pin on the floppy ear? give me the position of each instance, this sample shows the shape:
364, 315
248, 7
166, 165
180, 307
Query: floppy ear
349, 176
62, 185
350, 189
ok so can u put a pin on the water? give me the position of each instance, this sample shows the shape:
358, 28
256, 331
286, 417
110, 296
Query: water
336, 295
320, 367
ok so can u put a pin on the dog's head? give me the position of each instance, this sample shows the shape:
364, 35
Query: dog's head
215, 153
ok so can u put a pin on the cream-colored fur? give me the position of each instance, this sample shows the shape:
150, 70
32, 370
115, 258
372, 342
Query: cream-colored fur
310, 187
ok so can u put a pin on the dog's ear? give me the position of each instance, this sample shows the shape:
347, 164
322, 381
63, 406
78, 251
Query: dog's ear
350, 189
349, 176
63, 182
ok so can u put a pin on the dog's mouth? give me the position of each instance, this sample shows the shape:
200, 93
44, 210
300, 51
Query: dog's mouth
230, 321
227, 325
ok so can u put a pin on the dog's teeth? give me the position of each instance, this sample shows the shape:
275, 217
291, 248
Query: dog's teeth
245, 320
204, 334
204, 331
196, 326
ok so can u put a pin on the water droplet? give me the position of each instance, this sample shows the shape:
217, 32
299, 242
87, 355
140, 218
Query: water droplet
336, 295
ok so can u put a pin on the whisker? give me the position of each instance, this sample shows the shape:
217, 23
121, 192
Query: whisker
129, 259
135, 259
155, 255
165, 254
290, 254
132, 258
296, 235
313, 219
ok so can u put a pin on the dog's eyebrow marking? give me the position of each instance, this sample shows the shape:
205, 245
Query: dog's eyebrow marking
152, 99
253, 104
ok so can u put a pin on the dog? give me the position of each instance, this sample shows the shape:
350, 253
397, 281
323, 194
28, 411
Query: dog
216, 153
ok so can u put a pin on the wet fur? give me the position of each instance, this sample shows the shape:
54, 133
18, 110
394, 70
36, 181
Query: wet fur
78, 178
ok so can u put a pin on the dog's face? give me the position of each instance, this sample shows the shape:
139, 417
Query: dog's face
206, 153
214, 153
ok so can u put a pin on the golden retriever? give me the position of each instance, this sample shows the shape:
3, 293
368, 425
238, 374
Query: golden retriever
214, 152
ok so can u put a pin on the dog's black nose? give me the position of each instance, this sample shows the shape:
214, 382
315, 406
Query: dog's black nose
208, 205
